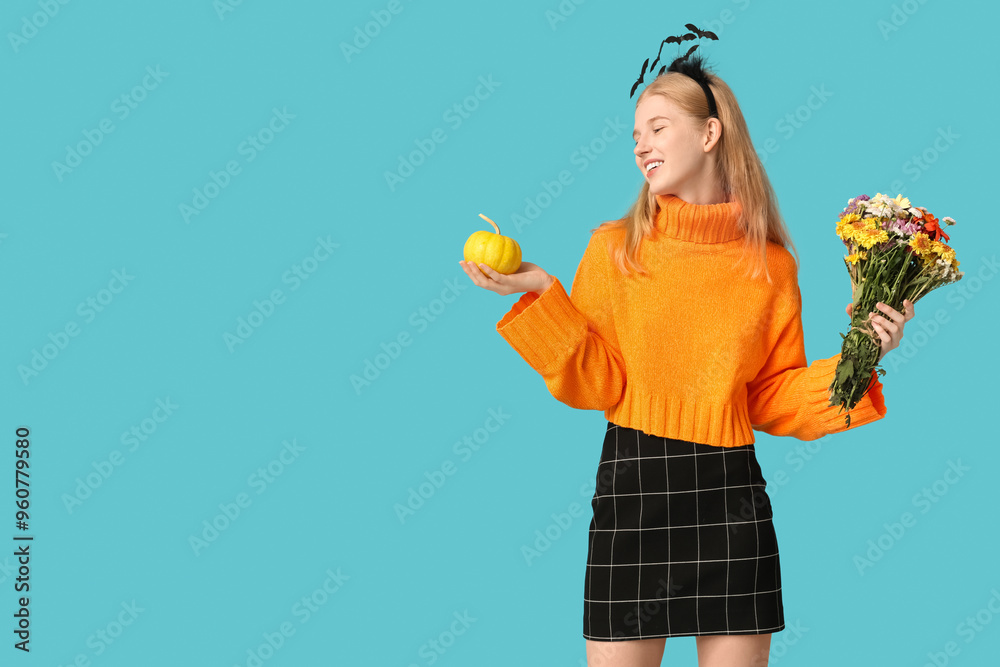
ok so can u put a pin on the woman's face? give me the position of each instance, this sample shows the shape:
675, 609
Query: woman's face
664, 134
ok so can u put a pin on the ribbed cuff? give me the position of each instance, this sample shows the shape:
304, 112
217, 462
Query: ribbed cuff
870, 408
544, 328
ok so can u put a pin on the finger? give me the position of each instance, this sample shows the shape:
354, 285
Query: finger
896, 317
881, 332
489, 275
895, 314
889, 311
476, 271
468, 269
891, 327
477, 276
488, 270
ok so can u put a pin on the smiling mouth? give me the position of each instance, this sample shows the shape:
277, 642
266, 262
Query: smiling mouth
652, 167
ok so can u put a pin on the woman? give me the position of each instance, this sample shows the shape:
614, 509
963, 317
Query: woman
686, 357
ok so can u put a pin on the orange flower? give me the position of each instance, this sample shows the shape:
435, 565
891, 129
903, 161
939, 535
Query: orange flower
932, 227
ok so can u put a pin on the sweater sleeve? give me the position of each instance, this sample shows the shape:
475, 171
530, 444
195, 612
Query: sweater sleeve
570, 340
787, 397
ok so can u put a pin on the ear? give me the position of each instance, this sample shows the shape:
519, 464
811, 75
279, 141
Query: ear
713, 133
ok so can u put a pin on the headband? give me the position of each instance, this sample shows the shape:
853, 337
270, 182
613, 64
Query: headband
691, 67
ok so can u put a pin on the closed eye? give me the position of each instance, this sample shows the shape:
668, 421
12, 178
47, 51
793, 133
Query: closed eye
636, 142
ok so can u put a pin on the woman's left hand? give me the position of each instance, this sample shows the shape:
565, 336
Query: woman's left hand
889, 329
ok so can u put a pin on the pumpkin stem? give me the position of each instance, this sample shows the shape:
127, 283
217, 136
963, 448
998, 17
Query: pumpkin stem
491, 222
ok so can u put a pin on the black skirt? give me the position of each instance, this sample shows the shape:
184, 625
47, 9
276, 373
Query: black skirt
681, 542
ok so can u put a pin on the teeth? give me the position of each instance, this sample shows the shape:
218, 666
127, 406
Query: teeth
652, 164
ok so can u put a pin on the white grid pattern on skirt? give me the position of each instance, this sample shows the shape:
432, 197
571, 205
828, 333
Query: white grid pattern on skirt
653, 522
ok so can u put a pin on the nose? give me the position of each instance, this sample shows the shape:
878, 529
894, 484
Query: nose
640, 147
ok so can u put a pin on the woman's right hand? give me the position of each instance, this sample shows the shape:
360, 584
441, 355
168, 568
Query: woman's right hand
528, 278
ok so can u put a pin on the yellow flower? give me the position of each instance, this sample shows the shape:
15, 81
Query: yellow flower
921, 245
902, 201
844, 230
848, 225
849, 231
946, 252
869, 237
855, 256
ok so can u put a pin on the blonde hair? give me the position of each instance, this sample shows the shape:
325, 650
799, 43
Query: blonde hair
741, 175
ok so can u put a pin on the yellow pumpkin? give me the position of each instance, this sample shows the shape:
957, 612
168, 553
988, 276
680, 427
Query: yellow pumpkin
500, 253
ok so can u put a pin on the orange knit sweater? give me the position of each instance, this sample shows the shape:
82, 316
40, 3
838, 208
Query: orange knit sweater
693, 350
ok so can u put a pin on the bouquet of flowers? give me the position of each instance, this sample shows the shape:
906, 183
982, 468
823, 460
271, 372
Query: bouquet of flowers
897, 251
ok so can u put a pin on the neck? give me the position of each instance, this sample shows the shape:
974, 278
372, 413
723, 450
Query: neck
699, 223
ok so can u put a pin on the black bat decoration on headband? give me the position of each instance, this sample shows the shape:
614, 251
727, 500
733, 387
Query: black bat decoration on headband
641, 74
701, 33
677, 39
674, 39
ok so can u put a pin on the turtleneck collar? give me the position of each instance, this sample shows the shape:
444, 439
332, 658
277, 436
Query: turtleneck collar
700, 223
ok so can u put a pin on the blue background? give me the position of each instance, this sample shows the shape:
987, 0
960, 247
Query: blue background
331, 505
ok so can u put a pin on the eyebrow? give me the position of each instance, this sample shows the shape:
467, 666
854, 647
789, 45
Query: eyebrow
648, 122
